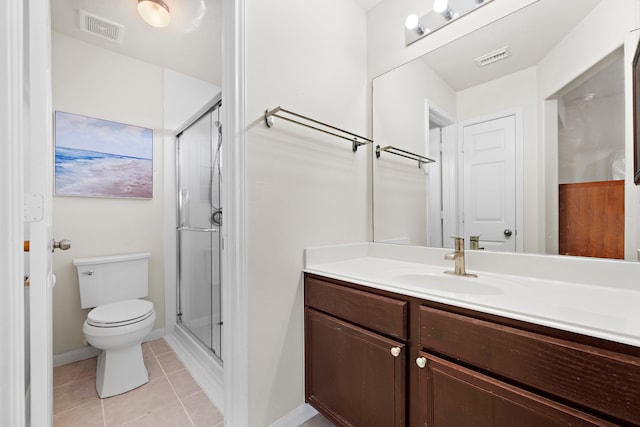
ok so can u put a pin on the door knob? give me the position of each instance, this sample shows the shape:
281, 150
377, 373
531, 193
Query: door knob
395, 351
508, 232
63, 245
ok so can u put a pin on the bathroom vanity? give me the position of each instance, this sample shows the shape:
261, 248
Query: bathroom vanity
392, 341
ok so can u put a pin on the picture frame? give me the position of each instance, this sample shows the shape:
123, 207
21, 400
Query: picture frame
102, 158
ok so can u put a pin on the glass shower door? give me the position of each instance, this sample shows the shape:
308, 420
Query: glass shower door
199, 231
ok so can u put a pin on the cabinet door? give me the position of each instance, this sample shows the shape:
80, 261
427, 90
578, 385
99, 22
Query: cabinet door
353, 376
451, 395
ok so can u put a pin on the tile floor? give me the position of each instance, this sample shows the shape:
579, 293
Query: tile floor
171, 398
318, 421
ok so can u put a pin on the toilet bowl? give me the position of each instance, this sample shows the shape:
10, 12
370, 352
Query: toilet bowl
119, 320
118, 330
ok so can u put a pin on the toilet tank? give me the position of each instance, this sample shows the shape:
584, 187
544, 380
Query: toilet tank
115, 278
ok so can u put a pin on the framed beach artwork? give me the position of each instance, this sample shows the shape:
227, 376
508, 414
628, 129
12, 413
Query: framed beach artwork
100, 158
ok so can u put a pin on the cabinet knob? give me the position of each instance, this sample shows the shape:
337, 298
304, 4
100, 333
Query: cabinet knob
395, 351
421, 362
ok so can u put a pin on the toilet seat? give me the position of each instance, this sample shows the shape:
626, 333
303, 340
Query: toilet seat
120, 313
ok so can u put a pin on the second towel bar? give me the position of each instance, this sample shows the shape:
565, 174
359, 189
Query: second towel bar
403, 153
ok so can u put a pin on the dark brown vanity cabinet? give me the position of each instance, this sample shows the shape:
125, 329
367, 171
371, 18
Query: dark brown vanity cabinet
355, 355
456, 367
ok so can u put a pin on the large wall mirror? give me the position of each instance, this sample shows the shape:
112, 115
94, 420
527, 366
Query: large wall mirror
525, 119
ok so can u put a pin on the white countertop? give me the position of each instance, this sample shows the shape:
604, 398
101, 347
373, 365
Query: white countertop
595, 297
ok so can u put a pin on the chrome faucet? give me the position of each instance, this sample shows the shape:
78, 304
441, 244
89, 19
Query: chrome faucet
458, 258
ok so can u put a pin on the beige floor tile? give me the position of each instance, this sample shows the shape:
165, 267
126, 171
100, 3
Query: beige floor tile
170, 362
202, 411
145, 400
170, 416
74, 371
317, 421
183, 383
74, 394
159, 347
89, 415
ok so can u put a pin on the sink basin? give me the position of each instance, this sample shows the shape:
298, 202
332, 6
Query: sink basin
447, 283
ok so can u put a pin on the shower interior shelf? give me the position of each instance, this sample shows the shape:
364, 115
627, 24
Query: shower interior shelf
290, 116
422, 160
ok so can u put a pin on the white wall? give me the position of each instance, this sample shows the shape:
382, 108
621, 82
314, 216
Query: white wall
304, 188
94, 82
401, 119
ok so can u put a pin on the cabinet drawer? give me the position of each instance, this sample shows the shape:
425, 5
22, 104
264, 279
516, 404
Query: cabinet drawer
602, 380
382, 314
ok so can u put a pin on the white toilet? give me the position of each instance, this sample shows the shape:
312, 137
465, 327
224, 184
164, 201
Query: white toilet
120, 321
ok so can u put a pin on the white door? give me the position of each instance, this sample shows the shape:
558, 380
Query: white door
38, 179
489, 192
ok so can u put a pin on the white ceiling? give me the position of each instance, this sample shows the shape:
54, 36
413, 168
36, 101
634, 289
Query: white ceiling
368, 4
529, 34
189, 45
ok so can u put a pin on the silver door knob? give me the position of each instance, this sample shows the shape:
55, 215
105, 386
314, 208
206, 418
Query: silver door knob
395, 351
63, 245
508, 232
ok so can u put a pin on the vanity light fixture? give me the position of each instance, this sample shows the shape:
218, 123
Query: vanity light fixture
154, 12
443, 12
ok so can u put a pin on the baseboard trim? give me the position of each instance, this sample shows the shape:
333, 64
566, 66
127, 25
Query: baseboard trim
202, 366
86, 352
296, 417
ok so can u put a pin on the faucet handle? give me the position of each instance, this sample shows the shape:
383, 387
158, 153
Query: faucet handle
459, 243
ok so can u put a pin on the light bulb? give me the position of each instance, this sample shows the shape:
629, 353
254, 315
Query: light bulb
440, 6
412, 22
154, 12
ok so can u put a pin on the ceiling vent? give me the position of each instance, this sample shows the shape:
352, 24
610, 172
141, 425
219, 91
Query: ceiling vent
101, 27
492, 57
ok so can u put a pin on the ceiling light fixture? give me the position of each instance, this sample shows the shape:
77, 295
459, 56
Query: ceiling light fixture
154, 12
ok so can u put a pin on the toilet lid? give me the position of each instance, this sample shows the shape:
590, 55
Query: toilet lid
120, 313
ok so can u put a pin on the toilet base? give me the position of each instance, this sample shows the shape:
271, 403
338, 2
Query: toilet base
120, 370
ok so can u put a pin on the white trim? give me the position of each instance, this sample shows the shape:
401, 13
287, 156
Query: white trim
296, 417
202, 366
40, 161
170, 236
12, 106
76, 355
517, 113
234, 256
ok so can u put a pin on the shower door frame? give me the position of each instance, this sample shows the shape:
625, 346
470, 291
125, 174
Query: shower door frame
210, 107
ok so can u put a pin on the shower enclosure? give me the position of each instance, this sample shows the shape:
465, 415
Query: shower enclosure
199, 227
